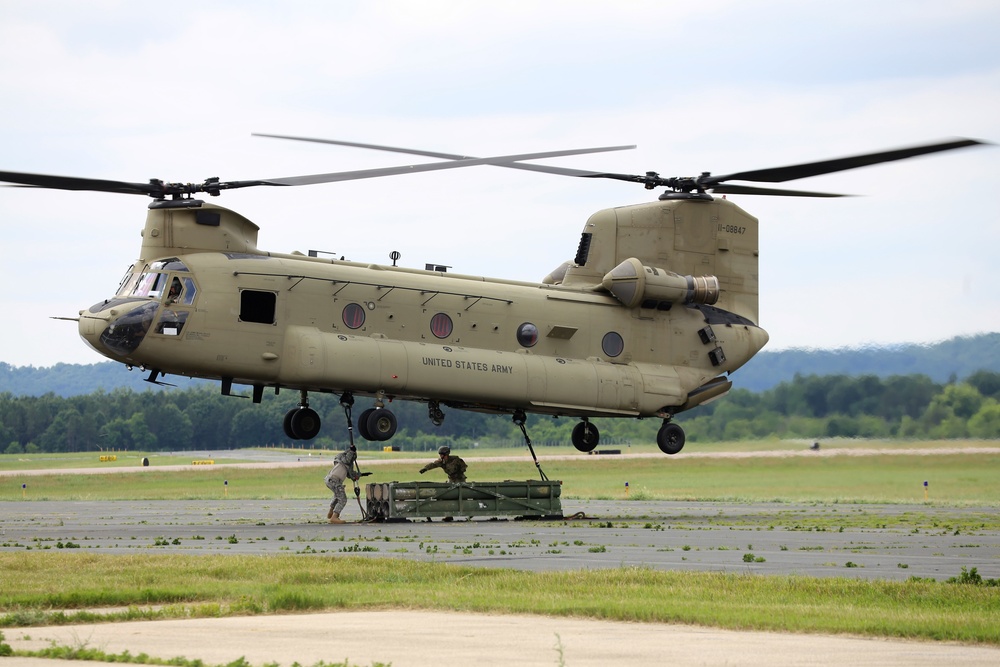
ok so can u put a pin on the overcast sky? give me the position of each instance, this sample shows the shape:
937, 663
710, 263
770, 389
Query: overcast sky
132, 91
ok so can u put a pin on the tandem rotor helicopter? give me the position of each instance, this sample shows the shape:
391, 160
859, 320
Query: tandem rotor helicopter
655, 311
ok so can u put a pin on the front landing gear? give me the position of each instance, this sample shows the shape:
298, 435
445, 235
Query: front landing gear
670, 438
302, 423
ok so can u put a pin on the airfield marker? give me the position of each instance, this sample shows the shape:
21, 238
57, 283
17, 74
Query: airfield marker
225, 487
925, 490
23, 490
626, 489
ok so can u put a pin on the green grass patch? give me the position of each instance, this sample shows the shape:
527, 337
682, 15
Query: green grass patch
169, 586
955, 478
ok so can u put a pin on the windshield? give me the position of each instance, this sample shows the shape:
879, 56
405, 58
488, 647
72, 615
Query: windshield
150, 283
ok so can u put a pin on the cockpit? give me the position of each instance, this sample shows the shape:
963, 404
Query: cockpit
160, 283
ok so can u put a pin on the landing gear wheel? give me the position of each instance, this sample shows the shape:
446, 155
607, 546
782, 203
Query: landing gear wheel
363, 424
585, 436
670, 438
381, 424
304, 423
287, 425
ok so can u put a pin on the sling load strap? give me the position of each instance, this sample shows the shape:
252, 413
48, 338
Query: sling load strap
347, 401
520, 423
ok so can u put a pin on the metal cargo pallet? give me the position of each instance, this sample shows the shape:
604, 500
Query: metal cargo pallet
418, 500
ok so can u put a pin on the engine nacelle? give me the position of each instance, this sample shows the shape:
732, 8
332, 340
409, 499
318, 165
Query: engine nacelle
632, 283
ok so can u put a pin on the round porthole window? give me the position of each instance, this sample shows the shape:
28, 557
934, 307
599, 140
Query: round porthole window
613, 345
527, 334
441, 325
354, 315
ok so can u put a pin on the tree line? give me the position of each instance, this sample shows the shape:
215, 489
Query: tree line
812, 407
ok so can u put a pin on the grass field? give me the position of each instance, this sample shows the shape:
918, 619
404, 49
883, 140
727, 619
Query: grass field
965, 473
217, 585
33, 584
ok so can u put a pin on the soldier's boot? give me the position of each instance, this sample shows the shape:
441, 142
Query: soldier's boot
335, 517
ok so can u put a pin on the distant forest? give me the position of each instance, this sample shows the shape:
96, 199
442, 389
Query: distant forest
813, 407
946, 390
942, 362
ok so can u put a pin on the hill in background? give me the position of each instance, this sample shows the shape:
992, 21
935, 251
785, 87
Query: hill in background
952, 359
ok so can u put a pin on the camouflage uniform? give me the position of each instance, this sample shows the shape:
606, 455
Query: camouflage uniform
453, 466
341, 470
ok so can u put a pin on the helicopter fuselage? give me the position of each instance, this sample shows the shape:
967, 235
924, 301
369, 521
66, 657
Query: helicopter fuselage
203, 301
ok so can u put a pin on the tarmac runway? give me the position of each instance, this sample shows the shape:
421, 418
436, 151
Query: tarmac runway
783, 538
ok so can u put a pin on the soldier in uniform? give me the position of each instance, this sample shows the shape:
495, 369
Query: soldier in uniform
343, 467
453, 466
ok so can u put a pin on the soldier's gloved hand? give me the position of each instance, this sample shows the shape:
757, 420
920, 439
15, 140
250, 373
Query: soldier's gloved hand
422, 471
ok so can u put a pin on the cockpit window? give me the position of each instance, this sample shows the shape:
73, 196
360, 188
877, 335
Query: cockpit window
174, 293
127, 283
189, 291
151, 284
172, 264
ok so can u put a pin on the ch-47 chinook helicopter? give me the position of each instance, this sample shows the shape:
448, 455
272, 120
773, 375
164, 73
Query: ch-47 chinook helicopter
655, 311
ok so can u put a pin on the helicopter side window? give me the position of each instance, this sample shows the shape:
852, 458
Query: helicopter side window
353, 315
613, 344
257, 306
441, 325
527, 334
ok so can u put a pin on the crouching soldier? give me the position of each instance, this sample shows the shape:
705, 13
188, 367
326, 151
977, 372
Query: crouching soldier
343, 464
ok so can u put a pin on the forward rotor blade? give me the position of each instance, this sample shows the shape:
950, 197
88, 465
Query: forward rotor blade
546, 169
74, 183
501, 160
214, 186
793, 172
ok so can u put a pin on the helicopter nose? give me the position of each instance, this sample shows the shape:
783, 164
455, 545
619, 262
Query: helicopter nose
116, 328
758, 339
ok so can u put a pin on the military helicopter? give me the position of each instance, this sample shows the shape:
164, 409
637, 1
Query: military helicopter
650, 318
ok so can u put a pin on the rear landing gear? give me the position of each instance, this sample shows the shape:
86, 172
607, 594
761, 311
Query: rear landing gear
377, 424
670, 438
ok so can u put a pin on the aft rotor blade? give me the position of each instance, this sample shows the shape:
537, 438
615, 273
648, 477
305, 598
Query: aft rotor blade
502, 160
726, 189
793, 172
